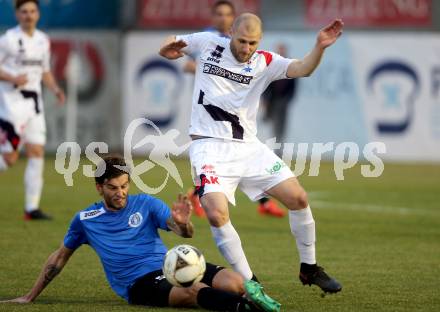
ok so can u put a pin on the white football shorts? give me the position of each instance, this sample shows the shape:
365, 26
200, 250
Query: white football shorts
222, 165
20, 122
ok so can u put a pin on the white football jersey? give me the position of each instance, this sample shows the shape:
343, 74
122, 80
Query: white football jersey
22, 54
227, 93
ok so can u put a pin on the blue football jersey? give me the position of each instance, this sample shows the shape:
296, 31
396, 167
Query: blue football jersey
126, 241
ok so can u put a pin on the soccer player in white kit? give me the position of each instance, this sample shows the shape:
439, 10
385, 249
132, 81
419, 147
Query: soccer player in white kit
24, 64
225, 153
223, 15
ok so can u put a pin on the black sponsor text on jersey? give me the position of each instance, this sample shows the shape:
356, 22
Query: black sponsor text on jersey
221, 72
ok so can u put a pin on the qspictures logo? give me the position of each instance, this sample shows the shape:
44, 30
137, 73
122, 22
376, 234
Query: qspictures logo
162, 146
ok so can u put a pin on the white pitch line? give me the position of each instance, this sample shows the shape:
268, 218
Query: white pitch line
371, 208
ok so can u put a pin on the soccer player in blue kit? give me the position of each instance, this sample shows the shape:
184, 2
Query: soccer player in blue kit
123, 231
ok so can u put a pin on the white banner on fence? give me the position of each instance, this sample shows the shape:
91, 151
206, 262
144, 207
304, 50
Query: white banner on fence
98, 117
156, 89
369, 87
398, 76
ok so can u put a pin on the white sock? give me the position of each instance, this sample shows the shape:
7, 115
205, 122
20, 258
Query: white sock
33, 183
3, 164
302, 226
229, 244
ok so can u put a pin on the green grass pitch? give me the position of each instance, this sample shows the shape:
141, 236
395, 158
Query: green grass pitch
379, 236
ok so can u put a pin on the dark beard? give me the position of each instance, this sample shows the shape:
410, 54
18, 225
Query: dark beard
235, 54
111, 207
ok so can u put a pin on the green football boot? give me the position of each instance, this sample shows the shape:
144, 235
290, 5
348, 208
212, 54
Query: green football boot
255, 294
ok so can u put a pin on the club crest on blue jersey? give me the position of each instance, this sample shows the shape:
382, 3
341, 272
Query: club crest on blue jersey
135, 220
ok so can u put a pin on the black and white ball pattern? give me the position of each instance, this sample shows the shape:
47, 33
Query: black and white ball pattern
184, 266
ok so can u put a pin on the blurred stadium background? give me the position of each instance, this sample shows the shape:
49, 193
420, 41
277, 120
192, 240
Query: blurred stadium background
380, 82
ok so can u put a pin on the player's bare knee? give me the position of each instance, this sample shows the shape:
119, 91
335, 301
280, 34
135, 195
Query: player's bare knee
193, 292
230, 281
303, 200
185, 297
297, 200
34, 150
216, 217
35, 153
10, 158
236, 283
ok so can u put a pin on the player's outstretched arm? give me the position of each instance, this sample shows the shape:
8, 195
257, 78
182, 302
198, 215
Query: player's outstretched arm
52, 268
171, 49
180, 222
326, 37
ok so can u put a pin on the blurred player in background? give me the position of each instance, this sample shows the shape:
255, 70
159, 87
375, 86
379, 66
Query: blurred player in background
24, 64
225, 153
223, 15
276, 100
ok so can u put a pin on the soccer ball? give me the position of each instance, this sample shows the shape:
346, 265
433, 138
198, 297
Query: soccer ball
184, 266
